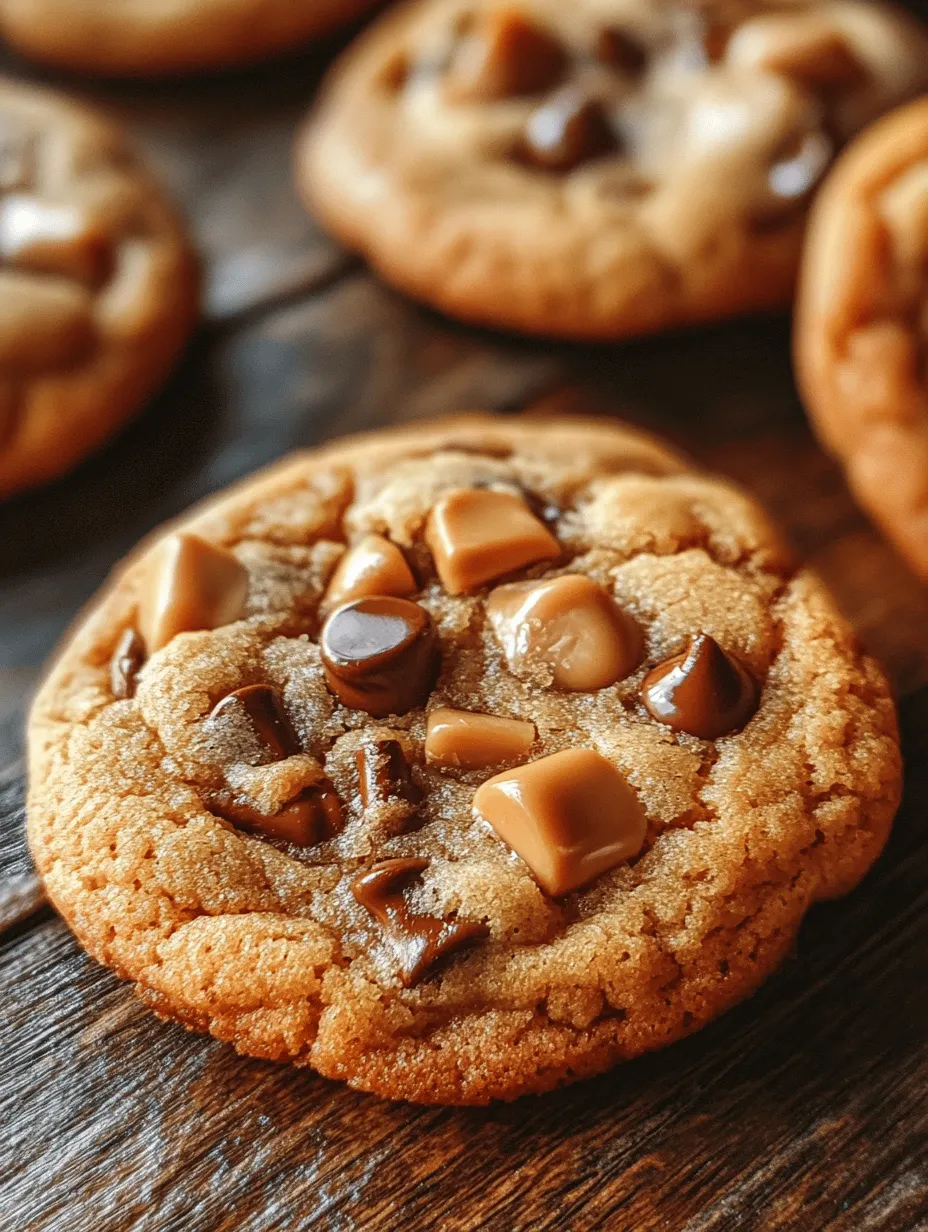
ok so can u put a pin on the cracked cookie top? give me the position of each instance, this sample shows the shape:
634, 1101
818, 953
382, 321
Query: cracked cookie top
598, 169
97, 284
459, 761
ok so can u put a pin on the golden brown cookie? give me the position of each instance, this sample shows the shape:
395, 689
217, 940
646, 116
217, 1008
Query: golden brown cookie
595, 170
861, 333
153, 37
98, 286
481, 836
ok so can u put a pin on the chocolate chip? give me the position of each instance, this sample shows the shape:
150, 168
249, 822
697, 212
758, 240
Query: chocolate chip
620, 50
506, 56
313, 816
126, 664
418, 941
380, 654
384, 774
569, 129
264, 710
703, 691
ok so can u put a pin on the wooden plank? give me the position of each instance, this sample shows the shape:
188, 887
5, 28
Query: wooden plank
802, 1110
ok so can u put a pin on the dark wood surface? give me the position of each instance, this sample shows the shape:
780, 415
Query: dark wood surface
804, 1109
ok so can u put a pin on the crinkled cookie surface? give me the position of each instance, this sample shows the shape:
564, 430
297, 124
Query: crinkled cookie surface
145, 808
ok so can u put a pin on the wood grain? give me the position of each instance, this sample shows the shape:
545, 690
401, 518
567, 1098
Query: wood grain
801, 1110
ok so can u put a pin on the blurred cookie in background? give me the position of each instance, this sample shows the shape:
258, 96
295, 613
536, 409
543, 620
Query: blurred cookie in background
98, 285
597, 170
151, 37
861, 338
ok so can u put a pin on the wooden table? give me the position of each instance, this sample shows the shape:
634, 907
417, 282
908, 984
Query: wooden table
804, 1109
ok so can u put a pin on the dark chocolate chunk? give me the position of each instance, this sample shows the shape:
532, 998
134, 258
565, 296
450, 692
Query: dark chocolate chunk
126, 664
418, 941
380, 654
703, 691
621, 51
569, 129
384, 773
264, 709
313, 816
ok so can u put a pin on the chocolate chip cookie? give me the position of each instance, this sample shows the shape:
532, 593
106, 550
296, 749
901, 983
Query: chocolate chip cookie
596, 170
153, 37
98, 287
861, 336
459, 762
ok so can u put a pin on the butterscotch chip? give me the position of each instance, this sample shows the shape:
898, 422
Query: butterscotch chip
661, 180
227, 834
477, 536
191, 584
565, 630
375, 566
506, 55
471, 741
570, 816
98, 285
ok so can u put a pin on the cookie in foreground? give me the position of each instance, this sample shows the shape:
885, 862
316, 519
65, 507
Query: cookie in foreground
166, 36
98, 284
861, 331
596, 170
459, 762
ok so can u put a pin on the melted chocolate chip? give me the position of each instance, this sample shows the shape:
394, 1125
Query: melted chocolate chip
380, 654
264, 709
621, 51
384, 774
703, 691
126, 664
569, 129
418, 941
313, 816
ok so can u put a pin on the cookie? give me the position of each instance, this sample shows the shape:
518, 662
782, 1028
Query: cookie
861, 331
597, 170
154, 37
459, 762
98, 286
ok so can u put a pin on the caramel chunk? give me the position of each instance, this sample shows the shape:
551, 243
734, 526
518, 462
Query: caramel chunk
477, 535
418, 941
53, 238
621, 51
703, 691
315, 815
380, 654
375, 566
263, 709
569, 129
384, 774
470, 741
126, 664
191, 584
569, 627
505, 56
570, 816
